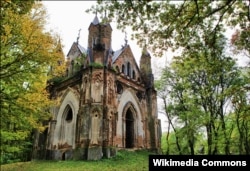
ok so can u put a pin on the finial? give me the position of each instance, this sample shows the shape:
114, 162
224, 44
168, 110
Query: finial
77, 40
126, 40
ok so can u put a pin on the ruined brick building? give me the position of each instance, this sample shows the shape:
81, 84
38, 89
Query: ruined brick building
106, 102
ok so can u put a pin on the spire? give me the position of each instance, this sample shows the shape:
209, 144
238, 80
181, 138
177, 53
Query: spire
96, 20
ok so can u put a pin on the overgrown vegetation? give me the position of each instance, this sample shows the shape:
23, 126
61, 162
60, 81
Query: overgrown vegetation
169, 147
27, 53
96, 65
125, 160
205, 94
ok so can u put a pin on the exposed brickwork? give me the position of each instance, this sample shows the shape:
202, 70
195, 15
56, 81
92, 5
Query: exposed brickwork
107, 103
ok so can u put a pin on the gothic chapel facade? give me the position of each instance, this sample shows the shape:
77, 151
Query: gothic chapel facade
106, 103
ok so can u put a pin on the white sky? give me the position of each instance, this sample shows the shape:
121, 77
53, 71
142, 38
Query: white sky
67, 17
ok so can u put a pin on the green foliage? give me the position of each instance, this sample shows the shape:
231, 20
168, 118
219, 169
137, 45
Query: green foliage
125, 160
26, 52
173, 149
79, 62
57, 80
96, 65
196, 89
177, 21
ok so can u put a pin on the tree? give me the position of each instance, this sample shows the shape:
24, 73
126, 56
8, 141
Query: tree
171, 24
199, 86
240, 114
27, 51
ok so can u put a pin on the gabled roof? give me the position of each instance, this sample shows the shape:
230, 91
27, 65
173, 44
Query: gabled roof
79, 47
117, 54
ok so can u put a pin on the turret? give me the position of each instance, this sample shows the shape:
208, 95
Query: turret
146, 69
99, 40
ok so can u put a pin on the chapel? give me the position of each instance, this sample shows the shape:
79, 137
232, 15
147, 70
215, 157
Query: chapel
106, 102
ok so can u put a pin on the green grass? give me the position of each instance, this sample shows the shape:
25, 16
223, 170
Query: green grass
164, 142
124, 161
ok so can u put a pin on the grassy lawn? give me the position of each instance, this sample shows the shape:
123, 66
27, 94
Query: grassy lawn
124, 161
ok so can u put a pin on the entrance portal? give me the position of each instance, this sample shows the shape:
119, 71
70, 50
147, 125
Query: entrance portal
63, 156
129, 141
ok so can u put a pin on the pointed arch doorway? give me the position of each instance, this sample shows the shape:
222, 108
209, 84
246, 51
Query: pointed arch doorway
129, 129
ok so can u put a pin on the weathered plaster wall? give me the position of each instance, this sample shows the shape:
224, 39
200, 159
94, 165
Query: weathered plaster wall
65, 132
128, 97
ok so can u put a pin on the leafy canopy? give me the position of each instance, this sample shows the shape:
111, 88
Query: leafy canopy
27, 53
171, 24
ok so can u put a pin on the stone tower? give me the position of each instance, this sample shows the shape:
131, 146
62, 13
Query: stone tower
151, 95
99, 41
146, 69
106, 102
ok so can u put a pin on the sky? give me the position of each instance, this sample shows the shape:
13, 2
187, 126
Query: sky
67, 17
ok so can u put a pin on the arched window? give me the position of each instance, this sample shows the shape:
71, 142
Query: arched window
68, 113
133, 74
117, 69
128, 69
119, 88
123, 69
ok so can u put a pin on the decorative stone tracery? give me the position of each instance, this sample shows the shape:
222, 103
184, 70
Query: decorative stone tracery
95, 126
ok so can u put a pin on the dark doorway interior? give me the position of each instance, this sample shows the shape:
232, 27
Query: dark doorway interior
63, 156
129, 129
